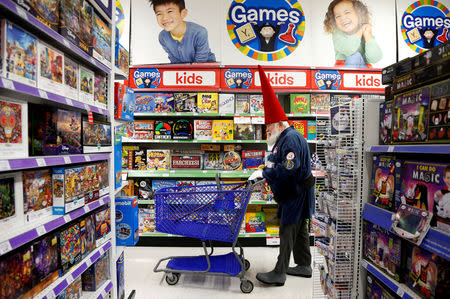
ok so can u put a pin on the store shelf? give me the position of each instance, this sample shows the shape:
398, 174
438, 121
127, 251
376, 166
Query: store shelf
124, 184
246, 235
24, 234
146, 202
195, 114
100, 11
63, 282
309, 115
399, 288
435, 241
120, 75
131, 140
253, 202
45, 161
419, 149
38, 28
101, 293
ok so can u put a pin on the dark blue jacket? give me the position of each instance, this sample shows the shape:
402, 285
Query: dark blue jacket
292, 164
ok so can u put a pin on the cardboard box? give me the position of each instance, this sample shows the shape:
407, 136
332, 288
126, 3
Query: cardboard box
300, 103
127, 221
124, 102
96, 275
68, 194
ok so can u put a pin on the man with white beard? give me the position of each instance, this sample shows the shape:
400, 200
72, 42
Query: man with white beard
288, 172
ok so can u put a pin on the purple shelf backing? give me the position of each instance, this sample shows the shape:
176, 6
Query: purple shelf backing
420, 149
33, 91
15, 9
34, 233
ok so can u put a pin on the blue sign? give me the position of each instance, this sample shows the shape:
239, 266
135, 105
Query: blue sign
238, 78
146, 78
328, 79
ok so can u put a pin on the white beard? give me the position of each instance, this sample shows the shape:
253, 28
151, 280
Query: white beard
272, 140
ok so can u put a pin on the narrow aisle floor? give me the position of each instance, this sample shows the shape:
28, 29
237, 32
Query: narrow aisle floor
139, 275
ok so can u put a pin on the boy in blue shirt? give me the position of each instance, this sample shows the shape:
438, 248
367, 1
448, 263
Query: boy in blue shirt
184, 42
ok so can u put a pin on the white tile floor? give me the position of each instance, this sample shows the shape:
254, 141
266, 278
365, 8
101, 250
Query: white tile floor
139, 275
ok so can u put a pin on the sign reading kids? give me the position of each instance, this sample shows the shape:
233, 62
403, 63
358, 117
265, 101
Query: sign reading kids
266, 30
425, 24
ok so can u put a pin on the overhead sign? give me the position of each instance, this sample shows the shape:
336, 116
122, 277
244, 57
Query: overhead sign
329, 79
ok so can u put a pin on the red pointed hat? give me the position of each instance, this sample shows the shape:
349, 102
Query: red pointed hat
273, 112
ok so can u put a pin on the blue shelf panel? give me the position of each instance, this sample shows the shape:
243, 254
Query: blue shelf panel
418, 149
435, 241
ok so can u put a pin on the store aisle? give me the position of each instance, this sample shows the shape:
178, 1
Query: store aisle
139, 275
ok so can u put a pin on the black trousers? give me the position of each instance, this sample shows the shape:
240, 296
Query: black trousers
293, 238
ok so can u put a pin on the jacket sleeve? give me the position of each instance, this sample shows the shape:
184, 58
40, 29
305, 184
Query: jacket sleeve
201, 46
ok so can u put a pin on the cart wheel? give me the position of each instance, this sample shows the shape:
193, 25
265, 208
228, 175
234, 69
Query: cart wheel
246, 264
172, 278
246, 286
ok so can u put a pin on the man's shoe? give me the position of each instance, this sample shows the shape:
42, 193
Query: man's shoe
272, 278
302, 271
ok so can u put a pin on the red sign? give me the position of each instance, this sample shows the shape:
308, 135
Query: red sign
333, 79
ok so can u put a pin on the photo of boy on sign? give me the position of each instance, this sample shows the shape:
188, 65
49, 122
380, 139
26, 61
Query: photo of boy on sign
184, 42
349, 23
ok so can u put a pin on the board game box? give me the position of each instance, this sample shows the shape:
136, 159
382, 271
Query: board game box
376, 289
226, 103
208, 102
185, 102
91, 178
70, 247
312, 129
163, 129
438, 124
124, 102
256, 103
155, 102
37, 194
300, 103
183, 129
252, 159
186, 162
320, 103
383, 182
139, 159
16, 273
242, 104
120, 267
222, 129
301, 126
50, 69
71, 79
144, 189
160, 184
68, 193
13, 129
203, 129
410, 117
20, 54
213, 160
86, 91
255, 221
45, 256
386, 110
102, 225
11, 200
100, 91
85, 22
96, 137
144, 129
87, 235
101, 41
158, 159
146, 219
232, 161
122, 58
244, 132
127, 221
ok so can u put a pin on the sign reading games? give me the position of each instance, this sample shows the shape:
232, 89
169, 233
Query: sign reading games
266, 30
425, 24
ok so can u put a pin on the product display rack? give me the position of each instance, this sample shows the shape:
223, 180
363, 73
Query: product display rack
101, 293
416, 149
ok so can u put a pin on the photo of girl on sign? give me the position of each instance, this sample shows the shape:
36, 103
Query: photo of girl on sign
349, 23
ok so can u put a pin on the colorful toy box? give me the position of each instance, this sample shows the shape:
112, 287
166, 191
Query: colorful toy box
71, 74
69, 20
183, 129
11, 201
256, 103
185, 102
384, 182
312, 130
13, 129
386, 110
226, 103
45, 256
232, 161
301, 126
50, 69
101, 40
127, 221
102, 225
255, 221
155, 102
16, 273
86, 91
146, 219
68, 191
87, 235
213, 160
376, 289
70, 247
122, 58
62, 133
208, 102
203, 129
96, 137
163, 129
124, 102
242, 104
252, 159
73, 291
158, 159
320, 103
300, 103
37, 194
222, 129
438, 124
44, 11
100, 91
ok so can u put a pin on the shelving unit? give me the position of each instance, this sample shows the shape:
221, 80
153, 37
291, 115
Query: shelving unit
443, 149
101, 293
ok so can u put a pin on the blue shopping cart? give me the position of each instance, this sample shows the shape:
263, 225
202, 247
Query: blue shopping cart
209, 213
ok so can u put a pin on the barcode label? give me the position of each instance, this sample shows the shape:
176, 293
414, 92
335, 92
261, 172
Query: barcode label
4, 165
390, 149
67, 160
41, 162
67, 218
8, 84
66, 42
87, 158
69, 279
41, 230
69, 102
43, 94
5, 247
400, 292
21, 12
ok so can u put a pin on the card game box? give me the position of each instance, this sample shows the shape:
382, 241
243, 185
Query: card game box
138, 159
100, 91
124, 102
45, 11
127, 221
376, 289
158, 159
252, 159
208, 102
301, 126
50, 69
386, 110
242, 104
102, 225
300, 103
155, 102
213, 161
19, 54
11, 200
120, 269
203, 129
163, 129
186, 162
16, 274
37, 194
385, 174
68, 193
87, 235
13, 129
185, 102
312, 129
244, 132
232, 161
70, 78
226, 103
320, 103
183, 129
146, 219
222, 129
256, 103
86, 91
438, 124
101, 40
45, 256
70, 247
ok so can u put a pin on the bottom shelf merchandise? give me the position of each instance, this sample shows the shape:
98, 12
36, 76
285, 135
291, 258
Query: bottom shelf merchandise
376, 289
97, 274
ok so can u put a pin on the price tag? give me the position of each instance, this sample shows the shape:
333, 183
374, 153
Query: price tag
40, 162
22, 12
67, 160
86, 209
195, 113
69, 279
272, 241
51, 294
5, 247
103, 294
178, 113
4, 165
88, 263
66, 42
69, 102
257, 141
8, 84
176, 141
164, 113
92, 60
222, 114
390, 149
87, 158
400, 292
204, 171
195, 141
86, 107
364, 264
67, 218
101, 250
41, 230
165, 175
43, 94
214, 141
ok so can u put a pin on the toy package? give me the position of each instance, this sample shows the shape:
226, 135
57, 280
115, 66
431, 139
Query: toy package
120, 269
11, 200
144, 189
426, 186
232, 161
384, 182
86, 91
147, 219
37, 194
70, 247
428, 274
222, 129
68, 20
160, 184
68, 192
124, 102
312, 129
301, 126
100, 91
242, 104
20, 54
183, 129
122, 58
139, 159
96, 137
16, 274
50, 69
163, 129
144, 129
97, 274
70, 79
185, 183
384, 249
255, 221
320, 103
85, 23
73, 291
127, 221
244, 132
13, 129
44, 11
411, 223
128, 156
385, 129
103, 181
87, 235
226, 103
213, 160
45, 256
203, 129
252, 159
102, 225
300, 103
158, 159
376, 289
208, 102
117, 161
102, 40
186, 162
256, 103
410, 117
438, 124
155, 102
185, 102
341, 118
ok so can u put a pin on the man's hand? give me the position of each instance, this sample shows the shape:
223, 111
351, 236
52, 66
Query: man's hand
258, 174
